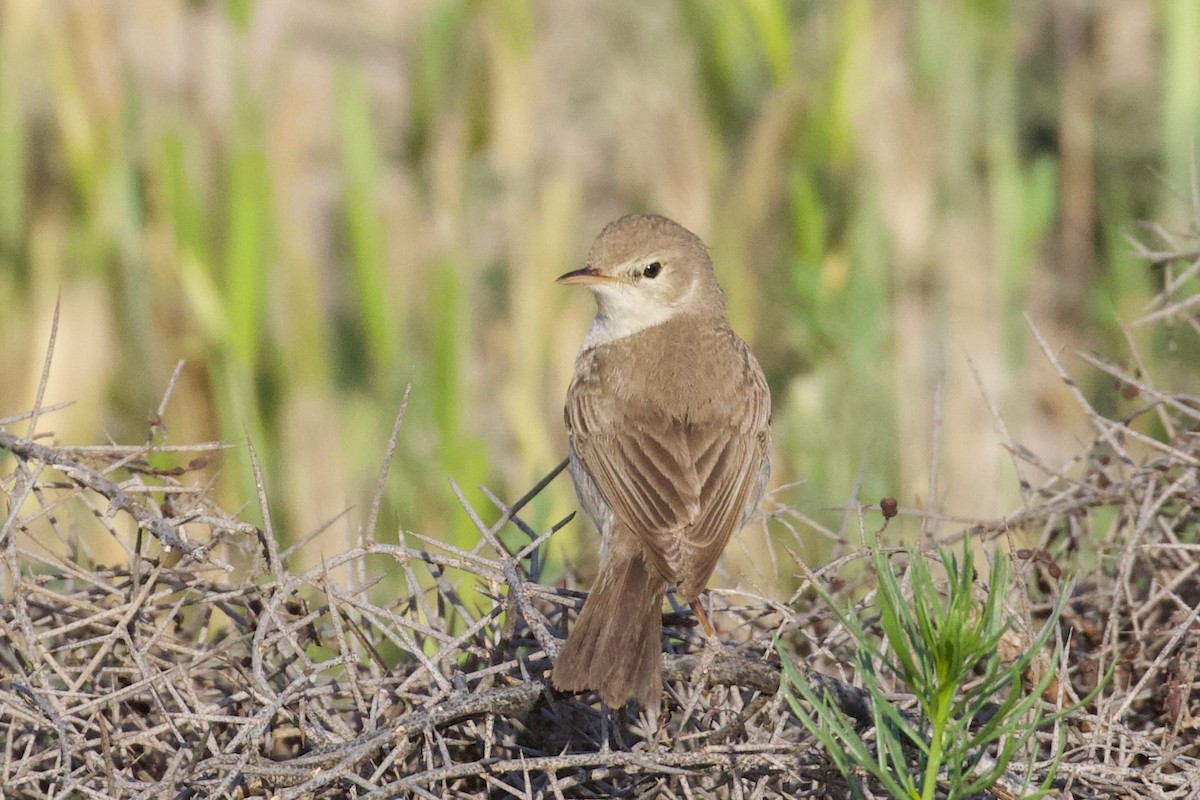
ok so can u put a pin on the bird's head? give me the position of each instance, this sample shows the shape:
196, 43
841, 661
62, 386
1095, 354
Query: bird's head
644, 270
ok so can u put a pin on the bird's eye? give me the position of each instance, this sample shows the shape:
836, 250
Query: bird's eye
652, 269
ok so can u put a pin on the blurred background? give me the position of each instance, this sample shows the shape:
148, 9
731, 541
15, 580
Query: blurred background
315, 204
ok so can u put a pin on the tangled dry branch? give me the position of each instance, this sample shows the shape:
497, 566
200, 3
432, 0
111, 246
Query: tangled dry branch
209, 663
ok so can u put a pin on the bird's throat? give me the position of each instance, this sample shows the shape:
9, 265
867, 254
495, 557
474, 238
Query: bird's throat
612, 324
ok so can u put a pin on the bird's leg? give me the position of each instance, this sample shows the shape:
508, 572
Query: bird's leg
702, 616
650, 728
712, 648
620, 724
604, 712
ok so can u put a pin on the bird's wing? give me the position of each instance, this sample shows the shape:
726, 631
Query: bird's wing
642, 469
732, 464
682, 485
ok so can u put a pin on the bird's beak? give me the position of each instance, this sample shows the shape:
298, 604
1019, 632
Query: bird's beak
588, 276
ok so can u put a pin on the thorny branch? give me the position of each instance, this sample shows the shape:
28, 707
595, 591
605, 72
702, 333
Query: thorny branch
420, 668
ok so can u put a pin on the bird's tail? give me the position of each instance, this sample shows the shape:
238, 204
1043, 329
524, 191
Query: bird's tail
616, 644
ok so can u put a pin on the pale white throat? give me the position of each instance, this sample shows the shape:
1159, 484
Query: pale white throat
627, 308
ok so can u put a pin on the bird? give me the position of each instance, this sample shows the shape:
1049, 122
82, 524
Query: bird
668, 420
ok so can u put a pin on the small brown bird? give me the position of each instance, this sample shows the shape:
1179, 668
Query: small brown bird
668, 419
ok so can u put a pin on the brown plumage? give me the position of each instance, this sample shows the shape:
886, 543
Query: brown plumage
668, 420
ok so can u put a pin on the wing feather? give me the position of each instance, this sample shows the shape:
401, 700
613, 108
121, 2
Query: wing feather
682, 484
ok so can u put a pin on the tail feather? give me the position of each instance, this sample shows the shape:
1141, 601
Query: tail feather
616, 644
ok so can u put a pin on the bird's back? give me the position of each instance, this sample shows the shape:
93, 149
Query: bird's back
680, 457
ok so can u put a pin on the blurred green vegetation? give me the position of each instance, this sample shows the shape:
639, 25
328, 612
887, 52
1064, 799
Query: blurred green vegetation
316, 209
